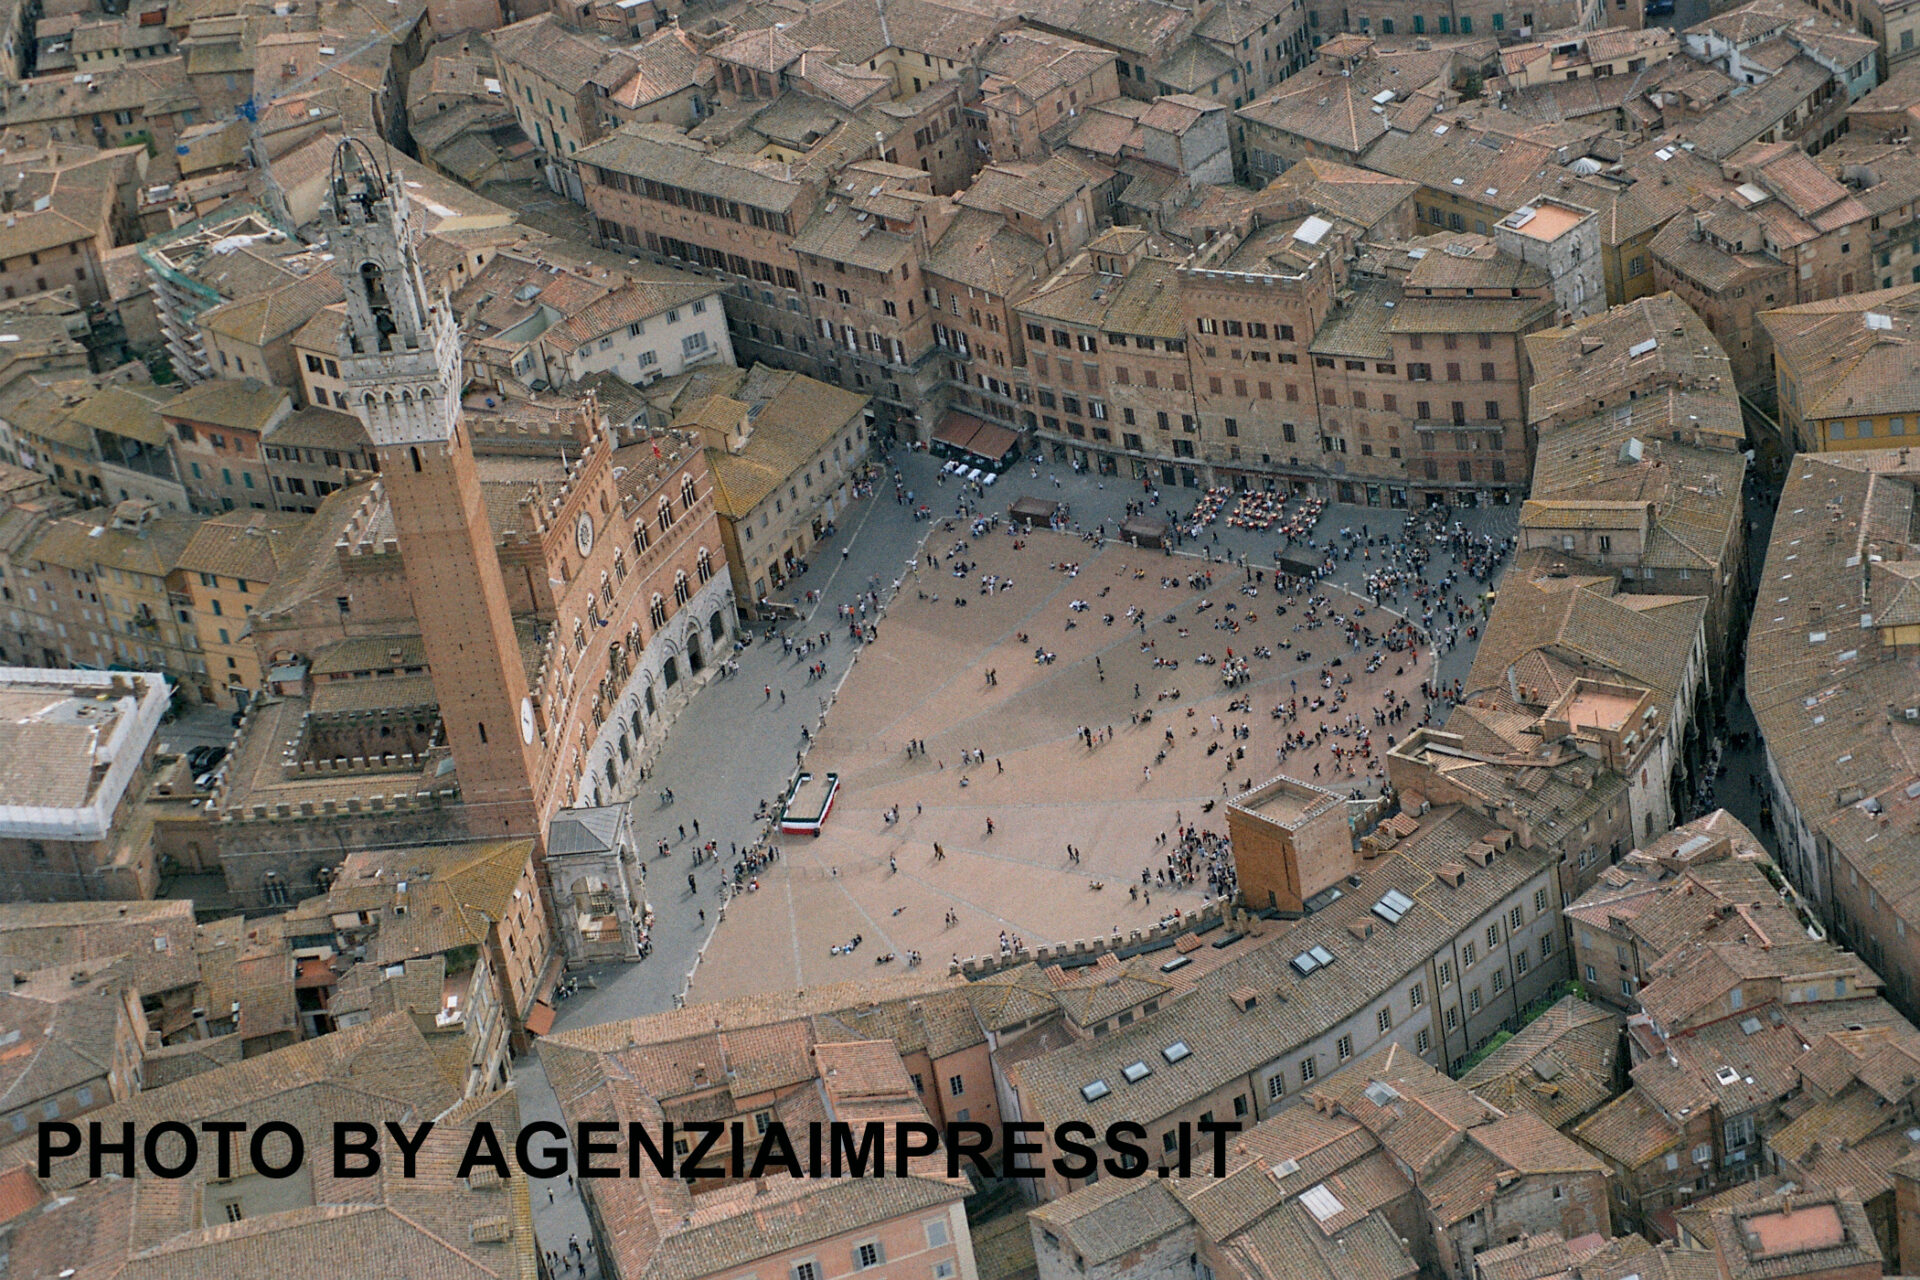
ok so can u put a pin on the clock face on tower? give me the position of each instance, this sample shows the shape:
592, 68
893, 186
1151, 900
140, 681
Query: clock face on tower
583, 533
526, 721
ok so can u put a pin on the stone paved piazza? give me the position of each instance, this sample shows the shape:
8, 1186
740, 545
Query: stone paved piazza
926, 678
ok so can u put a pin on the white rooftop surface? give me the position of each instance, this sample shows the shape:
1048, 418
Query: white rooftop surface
70, 744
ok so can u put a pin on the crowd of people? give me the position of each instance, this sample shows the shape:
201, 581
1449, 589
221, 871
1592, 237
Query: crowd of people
1446, 611
1192, 856
1401, 613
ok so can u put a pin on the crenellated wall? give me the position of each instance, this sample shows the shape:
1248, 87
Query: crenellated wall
1086, 950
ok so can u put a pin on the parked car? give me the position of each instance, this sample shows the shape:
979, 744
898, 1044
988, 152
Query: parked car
202, 759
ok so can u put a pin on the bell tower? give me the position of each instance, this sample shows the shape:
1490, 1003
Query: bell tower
400, 359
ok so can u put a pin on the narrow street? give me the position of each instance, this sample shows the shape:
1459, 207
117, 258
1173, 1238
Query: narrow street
1737, 782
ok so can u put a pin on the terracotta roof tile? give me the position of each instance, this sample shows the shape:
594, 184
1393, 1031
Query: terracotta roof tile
1561, 1066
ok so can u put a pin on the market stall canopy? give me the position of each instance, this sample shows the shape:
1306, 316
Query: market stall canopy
961, 435
1144, 531
1033, 511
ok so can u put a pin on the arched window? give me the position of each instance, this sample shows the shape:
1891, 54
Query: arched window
687, 495
373, 283
579, 637
641, 538
619, 566
613, 778
682, 590
704, 564
658, 610
666, 515
636, 722
717, 626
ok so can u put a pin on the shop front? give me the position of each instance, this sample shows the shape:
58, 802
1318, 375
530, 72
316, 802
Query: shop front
961, 437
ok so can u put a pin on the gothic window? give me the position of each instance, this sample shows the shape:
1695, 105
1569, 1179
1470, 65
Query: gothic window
682, 591
606, 593
704, 562
620, 566
686, 493
636, 722
666, 515
658, 610
716, 626
373, 284
579, 637
641, 538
